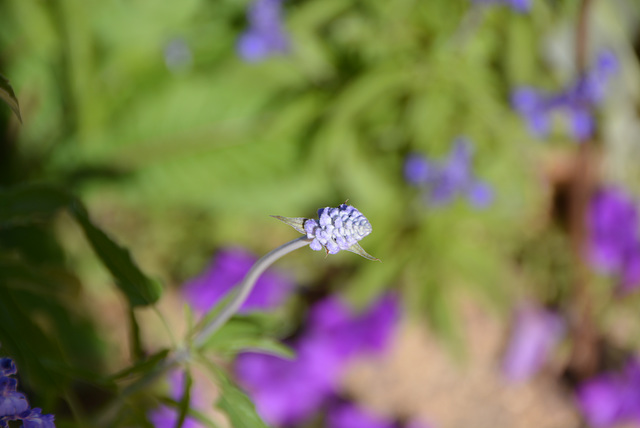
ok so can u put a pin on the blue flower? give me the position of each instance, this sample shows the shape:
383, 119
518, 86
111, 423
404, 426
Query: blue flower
443, 181
14, 404
575, 103
265, 35
521, 6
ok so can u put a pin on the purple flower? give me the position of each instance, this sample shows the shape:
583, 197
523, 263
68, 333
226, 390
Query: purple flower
415, 423
521, 6
265, 35
229, 268
445, 180
535, 333
611, 399
350, 333
614, 241
288, 392
575, 103
14, 404
347, 415
417, 169
166, 416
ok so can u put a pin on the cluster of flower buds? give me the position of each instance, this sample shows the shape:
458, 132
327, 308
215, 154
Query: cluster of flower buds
335, 229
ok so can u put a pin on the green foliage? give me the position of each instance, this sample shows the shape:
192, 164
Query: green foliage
253, 332
8, 96
237, 406
177, 162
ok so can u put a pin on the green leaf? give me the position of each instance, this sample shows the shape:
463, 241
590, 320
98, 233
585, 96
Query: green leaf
183, 406
147, 365
139, 289
9, 97
31, 203
137, 352
238, 407
249, 332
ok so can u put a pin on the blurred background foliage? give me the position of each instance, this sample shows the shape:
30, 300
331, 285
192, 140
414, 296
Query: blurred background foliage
177, 146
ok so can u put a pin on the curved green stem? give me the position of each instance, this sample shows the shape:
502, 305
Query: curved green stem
245, 288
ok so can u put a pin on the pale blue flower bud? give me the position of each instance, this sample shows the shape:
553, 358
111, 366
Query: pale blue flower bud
335, 229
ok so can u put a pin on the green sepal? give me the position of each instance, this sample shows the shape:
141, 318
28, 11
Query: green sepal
356, 248
296, 222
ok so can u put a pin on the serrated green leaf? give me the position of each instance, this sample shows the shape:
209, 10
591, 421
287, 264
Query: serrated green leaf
9, 97
31, 203
139, 289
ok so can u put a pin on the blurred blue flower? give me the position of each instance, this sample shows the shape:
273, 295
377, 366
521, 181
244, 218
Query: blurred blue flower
575, 103
288, 392
521, 6
265, 35
445, 180
614, 239
611, 399
227, 269
14, 405
177, 55
535, 334
342, 414
35, 419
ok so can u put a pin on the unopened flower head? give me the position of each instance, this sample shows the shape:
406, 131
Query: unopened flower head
335, 229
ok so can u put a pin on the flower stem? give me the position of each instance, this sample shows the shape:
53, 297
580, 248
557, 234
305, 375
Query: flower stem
245, 288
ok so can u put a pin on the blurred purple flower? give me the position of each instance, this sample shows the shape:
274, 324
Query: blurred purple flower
350, 333
228, 268
265, 35
415, 423
445, 180
614, 241
534, 335
347, 415
288, 392
166, 417
575, 103
611, 399
521, 6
